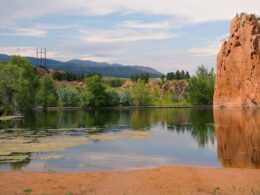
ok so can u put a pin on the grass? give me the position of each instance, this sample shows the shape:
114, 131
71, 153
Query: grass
216, 191
171, 103
27, 191
92, 189
5, 118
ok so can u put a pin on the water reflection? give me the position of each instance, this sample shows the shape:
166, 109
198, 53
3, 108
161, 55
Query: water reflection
238, 137
67, 140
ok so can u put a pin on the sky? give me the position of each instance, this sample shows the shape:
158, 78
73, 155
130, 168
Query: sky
166, 35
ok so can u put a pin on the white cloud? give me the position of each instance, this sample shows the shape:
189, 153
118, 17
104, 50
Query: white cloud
135, 24
209, 50
124, 35
192, 10
28, 32
26, 51
98, 58
53, 26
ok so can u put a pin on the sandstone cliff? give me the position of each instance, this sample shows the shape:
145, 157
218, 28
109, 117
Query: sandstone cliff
238, 65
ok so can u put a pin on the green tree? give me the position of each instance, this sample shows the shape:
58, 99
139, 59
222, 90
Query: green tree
18, 85
141, 94
187, 75
28, 85
94, 94
201, 86
47, 95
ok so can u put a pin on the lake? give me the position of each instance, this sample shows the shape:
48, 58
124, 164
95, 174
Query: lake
93, 140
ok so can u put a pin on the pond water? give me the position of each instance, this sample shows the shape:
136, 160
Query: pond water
80, 140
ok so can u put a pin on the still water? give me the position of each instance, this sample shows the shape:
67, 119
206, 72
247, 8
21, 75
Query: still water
80, 140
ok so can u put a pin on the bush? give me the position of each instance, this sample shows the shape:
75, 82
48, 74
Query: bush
68, 97
201, 87
112, 98
125, 98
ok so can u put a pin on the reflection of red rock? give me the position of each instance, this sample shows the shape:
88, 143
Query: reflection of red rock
238, 65
238, 137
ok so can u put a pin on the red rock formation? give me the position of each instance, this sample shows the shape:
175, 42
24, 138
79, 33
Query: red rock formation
238, 65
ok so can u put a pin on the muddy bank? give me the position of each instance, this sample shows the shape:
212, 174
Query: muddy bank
164, 180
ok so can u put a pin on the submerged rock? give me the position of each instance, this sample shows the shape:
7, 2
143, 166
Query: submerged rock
238, 65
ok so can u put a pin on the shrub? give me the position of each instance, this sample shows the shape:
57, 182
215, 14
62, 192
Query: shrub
68, 97
125, 98
112, 98
141, 94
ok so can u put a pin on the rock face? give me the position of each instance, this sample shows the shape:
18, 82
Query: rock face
238, 65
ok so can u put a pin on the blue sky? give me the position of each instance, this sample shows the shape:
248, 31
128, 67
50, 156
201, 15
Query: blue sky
166, 35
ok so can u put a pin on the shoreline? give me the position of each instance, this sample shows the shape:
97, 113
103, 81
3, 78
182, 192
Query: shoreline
123, 108
160, 180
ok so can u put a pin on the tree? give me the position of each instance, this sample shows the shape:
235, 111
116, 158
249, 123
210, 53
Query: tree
170, 76
201, 86
187, 75
177, 75
29, 83
182, 75
143, 77
141, 94
94, 93
18, 85
47, 95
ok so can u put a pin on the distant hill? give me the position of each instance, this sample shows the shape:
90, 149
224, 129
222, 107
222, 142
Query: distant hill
87, 67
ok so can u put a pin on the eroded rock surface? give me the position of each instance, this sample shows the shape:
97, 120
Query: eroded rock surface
238, 65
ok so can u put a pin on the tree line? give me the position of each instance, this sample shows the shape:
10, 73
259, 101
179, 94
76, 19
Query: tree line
178, 75
21, 89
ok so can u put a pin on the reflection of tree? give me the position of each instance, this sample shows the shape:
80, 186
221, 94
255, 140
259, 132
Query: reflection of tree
180, 120
201, 126
238, 135
141, 119
197, 122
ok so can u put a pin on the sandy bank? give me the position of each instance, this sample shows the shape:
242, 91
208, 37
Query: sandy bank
164, 180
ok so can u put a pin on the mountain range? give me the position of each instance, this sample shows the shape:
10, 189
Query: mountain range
88, 67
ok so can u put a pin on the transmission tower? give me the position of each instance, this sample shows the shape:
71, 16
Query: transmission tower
41, 54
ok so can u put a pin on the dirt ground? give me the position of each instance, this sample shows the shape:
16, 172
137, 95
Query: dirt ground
163, 180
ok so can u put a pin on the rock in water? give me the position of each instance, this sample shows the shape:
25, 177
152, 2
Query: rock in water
238, 65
